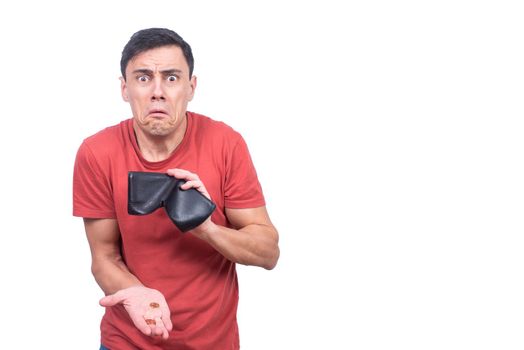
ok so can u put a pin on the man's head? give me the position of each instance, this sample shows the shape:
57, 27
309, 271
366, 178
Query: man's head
157, 80
147, 39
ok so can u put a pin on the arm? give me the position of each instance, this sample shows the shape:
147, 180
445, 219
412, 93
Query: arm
107, 265
120, 285
253, 240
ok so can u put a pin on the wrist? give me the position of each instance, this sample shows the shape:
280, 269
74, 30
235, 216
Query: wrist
206, 230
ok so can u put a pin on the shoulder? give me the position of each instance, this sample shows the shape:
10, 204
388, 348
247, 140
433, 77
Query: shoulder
206, 128
109, 135
107, 140
104, 145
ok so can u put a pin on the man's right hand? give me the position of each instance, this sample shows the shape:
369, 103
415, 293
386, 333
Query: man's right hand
147, 308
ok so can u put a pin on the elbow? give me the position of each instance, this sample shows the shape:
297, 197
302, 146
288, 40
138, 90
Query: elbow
271, 262
267, 260
274, 255
96, 268
261, 251
270, 266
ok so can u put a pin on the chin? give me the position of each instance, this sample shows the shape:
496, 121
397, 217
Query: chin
159, 131
157, 128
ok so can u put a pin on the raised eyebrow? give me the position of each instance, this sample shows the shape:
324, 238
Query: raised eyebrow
171, 72
164, 72
143, 71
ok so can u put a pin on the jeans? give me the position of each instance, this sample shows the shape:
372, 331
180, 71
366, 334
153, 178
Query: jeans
103, 347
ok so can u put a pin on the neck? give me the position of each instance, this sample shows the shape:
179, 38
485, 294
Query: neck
156, 148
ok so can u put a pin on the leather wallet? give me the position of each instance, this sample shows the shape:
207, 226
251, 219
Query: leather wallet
148, 191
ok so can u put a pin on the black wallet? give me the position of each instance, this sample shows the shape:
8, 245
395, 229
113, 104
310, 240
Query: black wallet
149, 191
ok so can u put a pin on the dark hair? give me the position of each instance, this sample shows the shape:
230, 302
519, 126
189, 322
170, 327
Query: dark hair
147, 39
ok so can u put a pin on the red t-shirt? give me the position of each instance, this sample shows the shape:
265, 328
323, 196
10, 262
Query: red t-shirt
200, 284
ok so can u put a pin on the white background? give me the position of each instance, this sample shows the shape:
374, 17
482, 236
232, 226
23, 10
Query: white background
388, 137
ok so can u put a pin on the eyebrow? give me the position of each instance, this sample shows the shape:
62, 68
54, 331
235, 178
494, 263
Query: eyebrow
163, 72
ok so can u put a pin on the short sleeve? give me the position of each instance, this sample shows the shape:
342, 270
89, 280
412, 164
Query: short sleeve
92, 192
242, 188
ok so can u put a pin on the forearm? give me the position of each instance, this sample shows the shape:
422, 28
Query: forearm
254, 244
108, 268
112, 274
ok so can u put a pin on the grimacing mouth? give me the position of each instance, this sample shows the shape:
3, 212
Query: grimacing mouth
157, 111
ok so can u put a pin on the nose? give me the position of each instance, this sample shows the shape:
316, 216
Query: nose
158, 92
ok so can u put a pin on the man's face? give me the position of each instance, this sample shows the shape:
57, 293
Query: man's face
158, 88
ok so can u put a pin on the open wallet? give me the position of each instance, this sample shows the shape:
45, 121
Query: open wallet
148, 191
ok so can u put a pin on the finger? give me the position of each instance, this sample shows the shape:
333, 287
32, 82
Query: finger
112, 300
183, 174
192, 184
197, 185
142, 325
157, 326
160, 329
153, 317
166, 317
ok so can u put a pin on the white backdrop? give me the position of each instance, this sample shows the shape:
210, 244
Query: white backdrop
387, 136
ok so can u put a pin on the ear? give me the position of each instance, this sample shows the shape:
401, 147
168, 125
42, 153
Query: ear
123, 88
192, 86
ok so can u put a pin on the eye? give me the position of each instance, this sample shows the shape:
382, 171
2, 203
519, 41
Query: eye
143, 78
172, 78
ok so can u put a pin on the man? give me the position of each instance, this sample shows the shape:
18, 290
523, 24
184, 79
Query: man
166, 289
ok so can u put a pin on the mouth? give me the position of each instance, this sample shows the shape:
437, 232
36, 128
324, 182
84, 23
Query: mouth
157, 112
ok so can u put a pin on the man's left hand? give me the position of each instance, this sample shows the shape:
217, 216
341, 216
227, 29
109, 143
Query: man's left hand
193, 181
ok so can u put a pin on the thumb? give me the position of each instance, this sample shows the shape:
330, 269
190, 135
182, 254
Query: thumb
110, 300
